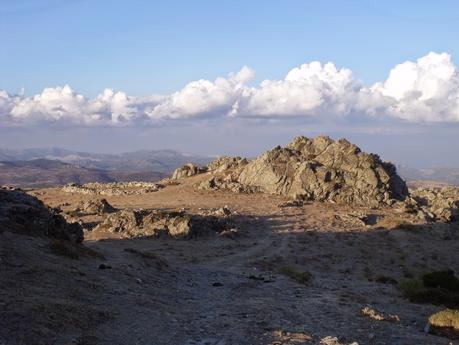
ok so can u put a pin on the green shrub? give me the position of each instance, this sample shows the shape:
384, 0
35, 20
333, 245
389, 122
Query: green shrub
441, 279
410, 287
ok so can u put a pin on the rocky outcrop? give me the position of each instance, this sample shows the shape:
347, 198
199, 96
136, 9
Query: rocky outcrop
146, 223
433, 204
225, 163
325, 170
114, 188
23, 213
187, 170
318, 169
96, 206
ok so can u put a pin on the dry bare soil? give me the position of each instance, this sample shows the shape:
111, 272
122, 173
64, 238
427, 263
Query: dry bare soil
288, 275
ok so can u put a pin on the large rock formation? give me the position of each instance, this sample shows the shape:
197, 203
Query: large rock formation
325, 170
318, 169
23, 213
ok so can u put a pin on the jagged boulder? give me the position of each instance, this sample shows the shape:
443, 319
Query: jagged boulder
187, 170
23, 213
325, 170
146, 223
94, 206
224, 163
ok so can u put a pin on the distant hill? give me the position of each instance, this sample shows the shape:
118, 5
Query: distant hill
46, 173
441, 175
162, 161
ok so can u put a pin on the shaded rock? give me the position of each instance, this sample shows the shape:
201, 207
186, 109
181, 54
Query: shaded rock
97, 206
23, 213
143, 223
187, 170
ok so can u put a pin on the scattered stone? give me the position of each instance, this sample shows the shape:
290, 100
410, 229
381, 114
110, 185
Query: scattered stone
361, 218
104, 267
378, 316
114, 188
284, 337
217, 284
292, 203
21, 212
333, 341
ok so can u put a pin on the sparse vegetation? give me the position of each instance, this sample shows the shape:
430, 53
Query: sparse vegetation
441, 279
276, 264
303, 277
410, 287
435, 288
149, 257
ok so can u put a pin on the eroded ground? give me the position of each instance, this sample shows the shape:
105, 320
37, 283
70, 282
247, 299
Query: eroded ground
289, 275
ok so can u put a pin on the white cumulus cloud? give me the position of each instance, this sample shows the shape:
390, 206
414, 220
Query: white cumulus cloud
310, 90
426, 90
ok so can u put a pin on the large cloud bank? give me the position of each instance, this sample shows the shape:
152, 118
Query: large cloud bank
423, 91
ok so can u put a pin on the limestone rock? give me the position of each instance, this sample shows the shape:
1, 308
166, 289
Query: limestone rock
23, 213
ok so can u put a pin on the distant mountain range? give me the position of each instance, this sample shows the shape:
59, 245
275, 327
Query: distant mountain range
43, 167
163, 161
442, 175
47, 167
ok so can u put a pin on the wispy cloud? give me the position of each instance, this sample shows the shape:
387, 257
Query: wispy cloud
426, 90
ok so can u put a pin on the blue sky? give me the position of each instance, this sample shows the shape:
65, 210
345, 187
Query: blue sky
231, 77
145, 47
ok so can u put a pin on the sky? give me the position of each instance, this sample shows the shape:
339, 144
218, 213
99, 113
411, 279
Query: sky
231, 77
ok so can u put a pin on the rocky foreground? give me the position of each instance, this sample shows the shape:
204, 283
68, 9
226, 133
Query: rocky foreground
314, 243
